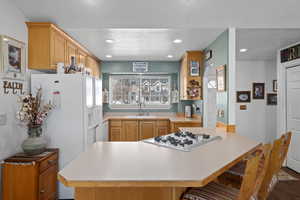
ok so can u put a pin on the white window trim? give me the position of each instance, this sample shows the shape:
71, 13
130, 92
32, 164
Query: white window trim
136, 107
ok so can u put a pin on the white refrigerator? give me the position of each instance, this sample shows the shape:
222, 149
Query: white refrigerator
76, 121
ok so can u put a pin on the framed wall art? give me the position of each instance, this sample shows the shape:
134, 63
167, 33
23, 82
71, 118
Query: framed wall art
258, 90
221, 78
243, 97
272, 99
12, 58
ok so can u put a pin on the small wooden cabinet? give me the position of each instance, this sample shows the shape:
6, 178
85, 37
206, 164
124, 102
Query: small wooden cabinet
130, 130
134, 130
191, 84
49, 45
30, 177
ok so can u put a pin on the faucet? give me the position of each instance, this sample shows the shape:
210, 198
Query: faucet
142, 112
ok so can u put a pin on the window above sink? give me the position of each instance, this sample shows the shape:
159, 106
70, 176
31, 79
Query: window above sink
140, 91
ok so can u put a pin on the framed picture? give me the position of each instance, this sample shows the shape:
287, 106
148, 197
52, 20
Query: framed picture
258, 91
221, 78
275, 86
243, 97
12, 58
194, 68
272, 99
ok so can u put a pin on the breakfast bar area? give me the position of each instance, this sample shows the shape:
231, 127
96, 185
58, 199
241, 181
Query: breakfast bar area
143, 171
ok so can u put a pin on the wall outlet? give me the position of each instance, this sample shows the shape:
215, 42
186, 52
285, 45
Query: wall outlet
3, 119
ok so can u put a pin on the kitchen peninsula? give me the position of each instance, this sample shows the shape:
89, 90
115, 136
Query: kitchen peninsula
141, 171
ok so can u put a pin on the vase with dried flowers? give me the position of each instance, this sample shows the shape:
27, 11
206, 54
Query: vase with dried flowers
33, 114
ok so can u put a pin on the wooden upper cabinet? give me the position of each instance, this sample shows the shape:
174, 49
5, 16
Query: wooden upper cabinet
49, 45
94, 66
81, 57
57, 46
191, 82
130, 130
71, 52
147, 129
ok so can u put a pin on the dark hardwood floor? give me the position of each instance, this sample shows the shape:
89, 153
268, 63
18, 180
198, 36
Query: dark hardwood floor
287, 190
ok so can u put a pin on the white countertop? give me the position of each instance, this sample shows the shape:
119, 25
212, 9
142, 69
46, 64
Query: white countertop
139, 161
155, 116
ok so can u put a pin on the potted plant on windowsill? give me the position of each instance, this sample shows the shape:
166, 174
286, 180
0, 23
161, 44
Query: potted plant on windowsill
33, 114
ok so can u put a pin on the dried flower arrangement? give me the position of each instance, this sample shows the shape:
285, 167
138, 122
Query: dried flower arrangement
32, 112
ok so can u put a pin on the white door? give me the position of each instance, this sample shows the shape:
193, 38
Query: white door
293, 116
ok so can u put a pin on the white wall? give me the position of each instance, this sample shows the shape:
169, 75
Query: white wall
11, 135
259, 120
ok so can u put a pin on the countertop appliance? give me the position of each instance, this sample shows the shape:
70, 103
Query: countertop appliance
75, 122
182, 141
188, 111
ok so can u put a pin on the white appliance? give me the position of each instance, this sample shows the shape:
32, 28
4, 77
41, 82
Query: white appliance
188, 111
76, 122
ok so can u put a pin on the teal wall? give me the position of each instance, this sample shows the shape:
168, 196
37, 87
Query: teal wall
220, 57
172, 68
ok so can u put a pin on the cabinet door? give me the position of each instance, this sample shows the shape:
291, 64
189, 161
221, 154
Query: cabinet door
81, 58
115, 134
48, 184
58, 48
147, 129
71, 52
130, 130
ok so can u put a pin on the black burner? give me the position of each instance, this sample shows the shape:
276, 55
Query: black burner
206, 136
158, 138
191, 135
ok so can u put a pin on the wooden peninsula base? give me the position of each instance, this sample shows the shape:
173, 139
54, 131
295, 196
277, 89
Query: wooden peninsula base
129, 193
142, 171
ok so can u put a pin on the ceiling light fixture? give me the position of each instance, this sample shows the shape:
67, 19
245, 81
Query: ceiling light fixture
170, 56
177, 41
243, 50
109, 41
108, 56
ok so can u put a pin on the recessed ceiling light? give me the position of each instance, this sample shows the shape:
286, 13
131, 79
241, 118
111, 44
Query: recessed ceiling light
177, 41
170, 56
109, 41
243, 50
108, 56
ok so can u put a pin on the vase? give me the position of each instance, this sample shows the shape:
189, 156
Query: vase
35, 143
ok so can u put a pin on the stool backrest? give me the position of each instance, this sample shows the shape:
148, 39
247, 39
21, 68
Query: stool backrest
256, 167
278, 155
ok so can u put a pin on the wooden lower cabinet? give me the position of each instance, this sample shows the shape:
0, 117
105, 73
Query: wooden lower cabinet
147, 129
134, 130
30, 177
130, 130
115, 134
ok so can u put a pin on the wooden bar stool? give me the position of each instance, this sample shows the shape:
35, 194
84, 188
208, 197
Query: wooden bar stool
235, 175
251, 183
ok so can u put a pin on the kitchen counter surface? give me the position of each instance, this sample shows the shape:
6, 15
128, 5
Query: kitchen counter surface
121, 164
171, 117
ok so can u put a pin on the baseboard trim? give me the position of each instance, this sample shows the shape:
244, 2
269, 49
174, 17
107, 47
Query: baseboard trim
228, 127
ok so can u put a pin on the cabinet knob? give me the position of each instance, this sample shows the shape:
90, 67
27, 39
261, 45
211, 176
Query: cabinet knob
42, 191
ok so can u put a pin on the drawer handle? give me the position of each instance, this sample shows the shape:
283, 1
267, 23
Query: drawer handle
50, 162
42, 191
